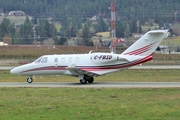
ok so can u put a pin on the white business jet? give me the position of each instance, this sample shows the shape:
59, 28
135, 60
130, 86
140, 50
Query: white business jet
88, 66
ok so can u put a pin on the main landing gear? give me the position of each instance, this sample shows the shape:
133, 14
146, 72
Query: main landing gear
82, 80
86, 79
29, 80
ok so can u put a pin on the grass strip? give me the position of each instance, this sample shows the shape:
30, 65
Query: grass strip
89, 103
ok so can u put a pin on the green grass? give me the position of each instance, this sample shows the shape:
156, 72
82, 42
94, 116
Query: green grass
92, 103
146, 27
171, 41
89, 103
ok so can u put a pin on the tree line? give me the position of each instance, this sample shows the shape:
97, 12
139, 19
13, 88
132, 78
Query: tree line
24, 33
74, 16
81, 9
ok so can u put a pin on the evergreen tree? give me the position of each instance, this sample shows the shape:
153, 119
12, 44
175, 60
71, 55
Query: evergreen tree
133, 26
119, 30
5, 27
47, 30
12, 30
78, 12
64, 22
26, 32
87, 36
61, 41
140, 28
34, 20
101, 26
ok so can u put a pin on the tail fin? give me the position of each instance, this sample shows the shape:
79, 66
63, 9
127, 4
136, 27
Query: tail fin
147, 44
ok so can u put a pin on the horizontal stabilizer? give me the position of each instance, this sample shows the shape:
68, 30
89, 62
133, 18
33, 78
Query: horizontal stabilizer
157, 32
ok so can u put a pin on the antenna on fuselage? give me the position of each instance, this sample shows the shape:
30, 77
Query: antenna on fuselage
90, 51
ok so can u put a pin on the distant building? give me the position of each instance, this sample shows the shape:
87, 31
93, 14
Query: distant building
3, 44
94, 18
163, 48
167, 25
1, 14
7, 41
16, 13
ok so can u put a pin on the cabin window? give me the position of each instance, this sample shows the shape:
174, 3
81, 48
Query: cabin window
44, 60
77, 59
63, 59
70, 59
56, 60
38, 60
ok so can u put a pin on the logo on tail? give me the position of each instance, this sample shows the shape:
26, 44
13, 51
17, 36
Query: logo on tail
140, 50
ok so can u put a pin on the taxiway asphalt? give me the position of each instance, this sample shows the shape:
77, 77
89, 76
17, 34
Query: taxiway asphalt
99, 84
94, 85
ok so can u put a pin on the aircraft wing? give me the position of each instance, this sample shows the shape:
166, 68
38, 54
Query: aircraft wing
76, 71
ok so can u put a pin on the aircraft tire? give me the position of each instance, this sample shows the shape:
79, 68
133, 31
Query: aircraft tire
29, 80
90, 80
83, 81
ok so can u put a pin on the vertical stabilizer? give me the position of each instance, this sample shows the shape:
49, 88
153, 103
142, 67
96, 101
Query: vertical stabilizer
147, 44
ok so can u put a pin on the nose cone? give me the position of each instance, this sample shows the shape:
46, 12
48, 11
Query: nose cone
16, 70
13, 71
20, 69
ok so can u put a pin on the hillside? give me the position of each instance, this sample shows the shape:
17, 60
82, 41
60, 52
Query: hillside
15, 19
69, 19
79, 9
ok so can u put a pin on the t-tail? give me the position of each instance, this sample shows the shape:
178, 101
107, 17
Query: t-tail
147, 44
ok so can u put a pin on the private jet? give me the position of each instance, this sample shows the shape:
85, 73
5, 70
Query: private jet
87, 66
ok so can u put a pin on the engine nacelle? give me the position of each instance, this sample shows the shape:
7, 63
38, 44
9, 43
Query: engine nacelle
103, 57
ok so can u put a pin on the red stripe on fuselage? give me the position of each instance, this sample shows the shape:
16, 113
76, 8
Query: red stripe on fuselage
46, 68
148, 58
93, 68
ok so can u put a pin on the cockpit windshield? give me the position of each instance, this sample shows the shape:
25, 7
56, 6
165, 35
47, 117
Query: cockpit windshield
38, 60
41, 60
44, 60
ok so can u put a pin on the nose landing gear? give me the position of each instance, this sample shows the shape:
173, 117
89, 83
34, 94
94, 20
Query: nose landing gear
29, 80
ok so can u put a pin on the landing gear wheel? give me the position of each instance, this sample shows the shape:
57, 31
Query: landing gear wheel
29, 80
90, 80
83, 81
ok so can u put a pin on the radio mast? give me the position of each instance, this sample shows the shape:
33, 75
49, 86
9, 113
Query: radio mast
113, 27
